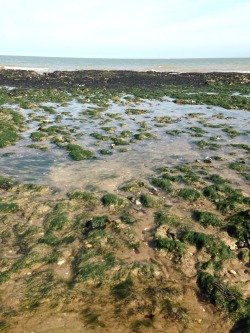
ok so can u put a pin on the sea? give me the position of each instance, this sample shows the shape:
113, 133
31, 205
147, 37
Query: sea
51, 64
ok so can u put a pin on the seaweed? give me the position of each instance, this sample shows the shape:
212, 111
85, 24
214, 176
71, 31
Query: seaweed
189, 194
207, 218
112, 200
77, 153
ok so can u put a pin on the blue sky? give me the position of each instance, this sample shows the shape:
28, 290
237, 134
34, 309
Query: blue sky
125, 28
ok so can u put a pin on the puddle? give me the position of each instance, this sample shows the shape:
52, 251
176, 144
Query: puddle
55, 168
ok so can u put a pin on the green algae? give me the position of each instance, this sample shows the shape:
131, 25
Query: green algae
144, 135
99, 136
189, 194
149, 201
105, 152
163, 183
238, 226
128, 219
202, 144
231, 132
86, 199
165, 218
77, 153
220, 294
112, 200
97, 222
212, 245
207, 218
171, 245
40, 147
38, 136
134, 187
8, 134
9, 207
119, 142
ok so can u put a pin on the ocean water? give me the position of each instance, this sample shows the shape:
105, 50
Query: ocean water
50, 64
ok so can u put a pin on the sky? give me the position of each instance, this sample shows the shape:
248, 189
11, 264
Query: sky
125, 28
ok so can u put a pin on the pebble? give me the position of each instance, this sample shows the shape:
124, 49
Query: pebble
233, 272
60, 262
207, 160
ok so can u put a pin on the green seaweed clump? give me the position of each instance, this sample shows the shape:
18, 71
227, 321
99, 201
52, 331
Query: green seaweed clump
171, 245
8, 207
5, 183
112, 200
134, 187
189, 194
239, 226
214, 246
78, 153
163, 217
164, 184
105, 152
149, 201
128, 219
38, 136
223, 296
87, 199
98, 222
207, 218
8, 134
144, 135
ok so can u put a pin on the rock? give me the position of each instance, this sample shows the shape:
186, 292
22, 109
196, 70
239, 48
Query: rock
61, 262
240, 244
171, 233
137, 202
207, 160
153, 190
232, 272
243, 255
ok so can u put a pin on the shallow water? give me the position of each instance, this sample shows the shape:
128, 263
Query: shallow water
106, 173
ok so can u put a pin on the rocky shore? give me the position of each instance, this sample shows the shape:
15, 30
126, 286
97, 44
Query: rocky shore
111, 79
124, 202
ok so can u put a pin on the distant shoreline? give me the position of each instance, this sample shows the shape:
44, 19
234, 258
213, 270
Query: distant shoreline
113, 78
